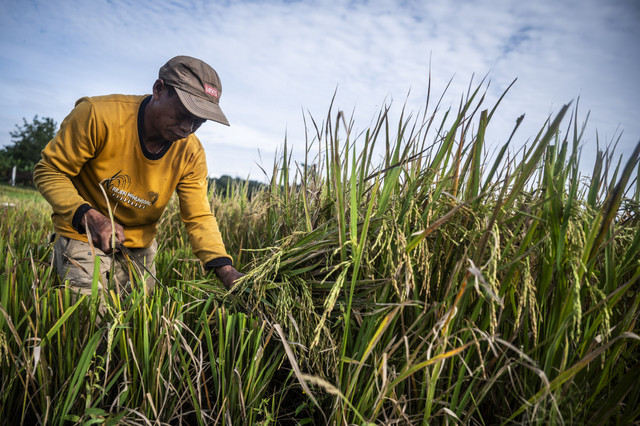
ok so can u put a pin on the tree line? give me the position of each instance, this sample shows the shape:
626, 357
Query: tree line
27, 140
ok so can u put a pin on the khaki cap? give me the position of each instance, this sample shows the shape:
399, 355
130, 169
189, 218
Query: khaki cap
197, 85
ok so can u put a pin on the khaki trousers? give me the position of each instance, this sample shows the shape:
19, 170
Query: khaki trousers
74, 262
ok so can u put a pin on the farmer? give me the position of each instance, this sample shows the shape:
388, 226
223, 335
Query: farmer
127, 155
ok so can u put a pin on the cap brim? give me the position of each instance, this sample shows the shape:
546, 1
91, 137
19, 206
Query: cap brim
201, 108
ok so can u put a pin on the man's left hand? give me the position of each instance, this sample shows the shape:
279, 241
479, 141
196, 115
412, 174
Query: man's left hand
228, 275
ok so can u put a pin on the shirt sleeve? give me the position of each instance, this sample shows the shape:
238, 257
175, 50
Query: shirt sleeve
63, 157
195, 212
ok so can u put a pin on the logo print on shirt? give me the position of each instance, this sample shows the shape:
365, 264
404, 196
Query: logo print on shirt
117, 186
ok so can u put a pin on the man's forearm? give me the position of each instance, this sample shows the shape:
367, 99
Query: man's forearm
57, 188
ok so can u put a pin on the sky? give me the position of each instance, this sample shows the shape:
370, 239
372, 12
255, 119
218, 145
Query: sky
282, 61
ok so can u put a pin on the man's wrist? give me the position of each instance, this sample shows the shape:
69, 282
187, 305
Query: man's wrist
212, 265
221, 270
78, 218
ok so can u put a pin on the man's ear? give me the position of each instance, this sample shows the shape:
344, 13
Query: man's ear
158, 87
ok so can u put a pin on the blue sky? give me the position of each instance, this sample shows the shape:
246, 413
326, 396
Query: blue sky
277, 59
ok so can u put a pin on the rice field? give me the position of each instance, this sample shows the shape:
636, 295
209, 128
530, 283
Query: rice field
440, 285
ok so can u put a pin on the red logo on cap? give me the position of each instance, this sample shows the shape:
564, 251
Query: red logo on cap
211, 90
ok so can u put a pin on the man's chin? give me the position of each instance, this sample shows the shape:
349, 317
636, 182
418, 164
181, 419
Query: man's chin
172, 137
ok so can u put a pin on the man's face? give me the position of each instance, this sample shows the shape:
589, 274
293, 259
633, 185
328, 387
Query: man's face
173, 120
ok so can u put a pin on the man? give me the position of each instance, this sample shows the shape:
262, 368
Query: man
127, 155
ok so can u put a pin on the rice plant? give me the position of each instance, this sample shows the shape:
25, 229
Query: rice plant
437, 285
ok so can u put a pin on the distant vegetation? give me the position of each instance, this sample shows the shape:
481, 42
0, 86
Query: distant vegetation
437, 287
26, 143
225, 185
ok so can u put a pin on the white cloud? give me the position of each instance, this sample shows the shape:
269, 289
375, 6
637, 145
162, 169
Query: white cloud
277, 59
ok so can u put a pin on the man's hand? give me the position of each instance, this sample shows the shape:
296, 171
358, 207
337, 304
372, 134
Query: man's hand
228, 275
100, 228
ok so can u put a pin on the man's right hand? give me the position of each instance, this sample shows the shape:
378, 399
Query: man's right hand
100, 228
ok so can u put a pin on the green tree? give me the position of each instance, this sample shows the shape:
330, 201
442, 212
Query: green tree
225, 182
28, 140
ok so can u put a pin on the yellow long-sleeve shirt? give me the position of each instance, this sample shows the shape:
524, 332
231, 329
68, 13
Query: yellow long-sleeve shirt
98, 149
